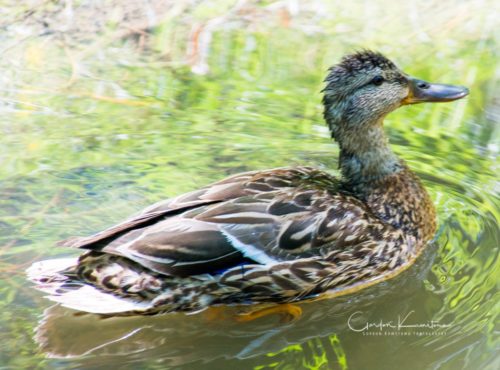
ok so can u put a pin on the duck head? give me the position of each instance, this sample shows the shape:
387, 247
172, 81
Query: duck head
360, 91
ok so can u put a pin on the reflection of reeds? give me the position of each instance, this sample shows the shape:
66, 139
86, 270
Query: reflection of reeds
7, 267
71, 48
104, 93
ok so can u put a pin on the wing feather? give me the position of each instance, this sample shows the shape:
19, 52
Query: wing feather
229, 188
264, 217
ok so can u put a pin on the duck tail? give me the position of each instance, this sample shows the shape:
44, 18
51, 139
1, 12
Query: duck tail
57, 278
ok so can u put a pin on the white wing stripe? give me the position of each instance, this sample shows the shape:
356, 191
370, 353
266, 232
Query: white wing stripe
250, 251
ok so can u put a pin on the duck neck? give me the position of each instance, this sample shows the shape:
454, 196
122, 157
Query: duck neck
365, 154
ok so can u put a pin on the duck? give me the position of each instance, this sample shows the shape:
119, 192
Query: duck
272, 236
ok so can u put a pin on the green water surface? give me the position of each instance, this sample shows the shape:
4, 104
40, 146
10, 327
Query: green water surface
100, 119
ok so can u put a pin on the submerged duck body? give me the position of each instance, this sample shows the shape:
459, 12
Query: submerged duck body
277, 235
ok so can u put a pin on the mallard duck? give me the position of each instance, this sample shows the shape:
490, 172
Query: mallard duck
278, 235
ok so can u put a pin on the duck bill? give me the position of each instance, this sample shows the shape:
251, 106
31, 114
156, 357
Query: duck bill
422, 91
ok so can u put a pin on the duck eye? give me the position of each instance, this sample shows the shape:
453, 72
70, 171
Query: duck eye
378, 80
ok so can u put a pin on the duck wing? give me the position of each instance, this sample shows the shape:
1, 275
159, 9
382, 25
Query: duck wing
265, 218
229, 188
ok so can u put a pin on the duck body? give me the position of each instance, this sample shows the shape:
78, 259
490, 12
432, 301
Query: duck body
276, 235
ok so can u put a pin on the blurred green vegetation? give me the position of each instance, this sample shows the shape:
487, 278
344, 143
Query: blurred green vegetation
109, 107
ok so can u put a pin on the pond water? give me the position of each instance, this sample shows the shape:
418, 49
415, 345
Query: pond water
104, 113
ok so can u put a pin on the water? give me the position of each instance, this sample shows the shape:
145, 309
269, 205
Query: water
97, 125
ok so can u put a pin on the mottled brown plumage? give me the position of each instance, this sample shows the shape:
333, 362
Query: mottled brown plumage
277, 235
